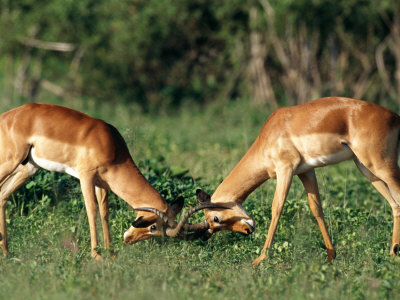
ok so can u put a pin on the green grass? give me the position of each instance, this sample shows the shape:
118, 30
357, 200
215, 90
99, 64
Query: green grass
179, 152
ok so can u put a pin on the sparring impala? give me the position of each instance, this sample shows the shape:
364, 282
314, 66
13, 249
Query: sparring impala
57, 138
296, 140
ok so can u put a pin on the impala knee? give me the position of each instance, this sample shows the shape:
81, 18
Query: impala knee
3, 203
395, 209
104, 214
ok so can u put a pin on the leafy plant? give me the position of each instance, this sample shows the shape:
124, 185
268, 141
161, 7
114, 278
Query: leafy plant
49, 234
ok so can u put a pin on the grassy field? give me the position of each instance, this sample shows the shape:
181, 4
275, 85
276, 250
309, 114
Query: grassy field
191, 148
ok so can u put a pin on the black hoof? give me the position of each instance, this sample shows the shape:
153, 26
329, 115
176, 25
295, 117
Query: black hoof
396, 249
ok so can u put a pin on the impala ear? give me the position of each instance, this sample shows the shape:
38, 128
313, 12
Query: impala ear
142, 223
177, 205
202, 196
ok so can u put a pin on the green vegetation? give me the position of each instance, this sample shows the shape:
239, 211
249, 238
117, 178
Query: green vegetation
196, 147
172, 76
160, 54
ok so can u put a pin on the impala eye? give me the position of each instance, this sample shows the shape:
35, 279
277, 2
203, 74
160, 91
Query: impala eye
216, 219
153, 227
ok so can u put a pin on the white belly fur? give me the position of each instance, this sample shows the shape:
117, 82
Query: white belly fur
325, 160
52, 165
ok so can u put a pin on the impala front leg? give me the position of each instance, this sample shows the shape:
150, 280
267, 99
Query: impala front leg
395, 248
3, 233
88, 191
310, 184
102, 200
283, 182
11, 183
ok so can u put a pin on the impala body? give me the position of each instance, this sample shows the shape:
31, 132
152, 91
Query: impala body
60, 139
296, 140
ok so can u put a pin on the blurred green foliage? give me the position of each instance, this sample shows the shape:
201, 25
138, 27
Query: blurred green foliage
49, 233
151, 52
162, 53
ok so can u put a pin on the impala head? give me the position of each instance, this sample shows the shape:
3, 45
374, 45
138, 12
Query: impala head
235, 218
151, 222
148, 224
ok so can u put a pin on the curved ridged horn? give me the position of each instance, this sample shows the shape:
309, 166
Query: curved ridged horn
196, 231
173, 232
162, 215
201, 234
196, 227
167, 220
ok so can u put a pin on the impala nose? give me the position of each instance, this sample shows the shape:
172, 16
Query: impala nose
251, 224
126, 234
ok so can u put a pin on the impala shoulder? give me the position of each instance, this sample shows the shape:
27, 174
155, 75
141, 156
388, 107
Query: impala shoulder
110, 141
29, 106
281, 111
36, 108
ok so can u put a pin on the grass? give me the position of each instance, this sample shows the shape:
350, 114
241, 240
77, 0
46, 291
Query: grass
179, 152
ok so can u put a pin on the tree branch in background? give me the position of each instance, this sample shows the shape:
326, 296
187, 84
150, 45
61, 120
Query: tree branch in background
52, 46
74, 78
52, 88
297, 54
22, 68
360, 78
391, 44
260, 80
383, 72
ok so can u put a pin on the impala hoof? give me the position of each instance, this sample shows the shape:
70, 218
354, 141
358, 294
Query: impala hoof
258, 260
112, 255
395, 250
206, 235
331, 254
96, 255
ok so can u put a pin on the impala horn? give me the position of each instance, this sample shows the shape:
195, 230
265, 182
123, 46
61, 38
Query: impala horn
196, 227
174, 232
176, 228
162, 215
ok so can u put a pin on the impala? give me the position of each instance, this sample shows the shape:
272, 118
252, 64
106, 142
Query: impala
296, 140
57, 138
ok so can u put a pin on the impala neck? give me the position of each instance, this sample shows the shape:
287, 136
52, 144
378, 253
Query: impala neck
247, 175
130, 185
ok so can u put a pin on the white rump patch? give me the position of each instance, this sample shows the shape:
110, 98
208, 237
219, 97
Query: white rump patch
325, 160
52, 165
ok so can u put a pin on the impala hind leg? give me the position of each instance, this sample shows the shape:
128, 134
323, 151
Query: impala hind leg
386, 181
102, 200
10, 161
88, 191
10, 184
391, 188
385, 191
309, 181
283, 182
